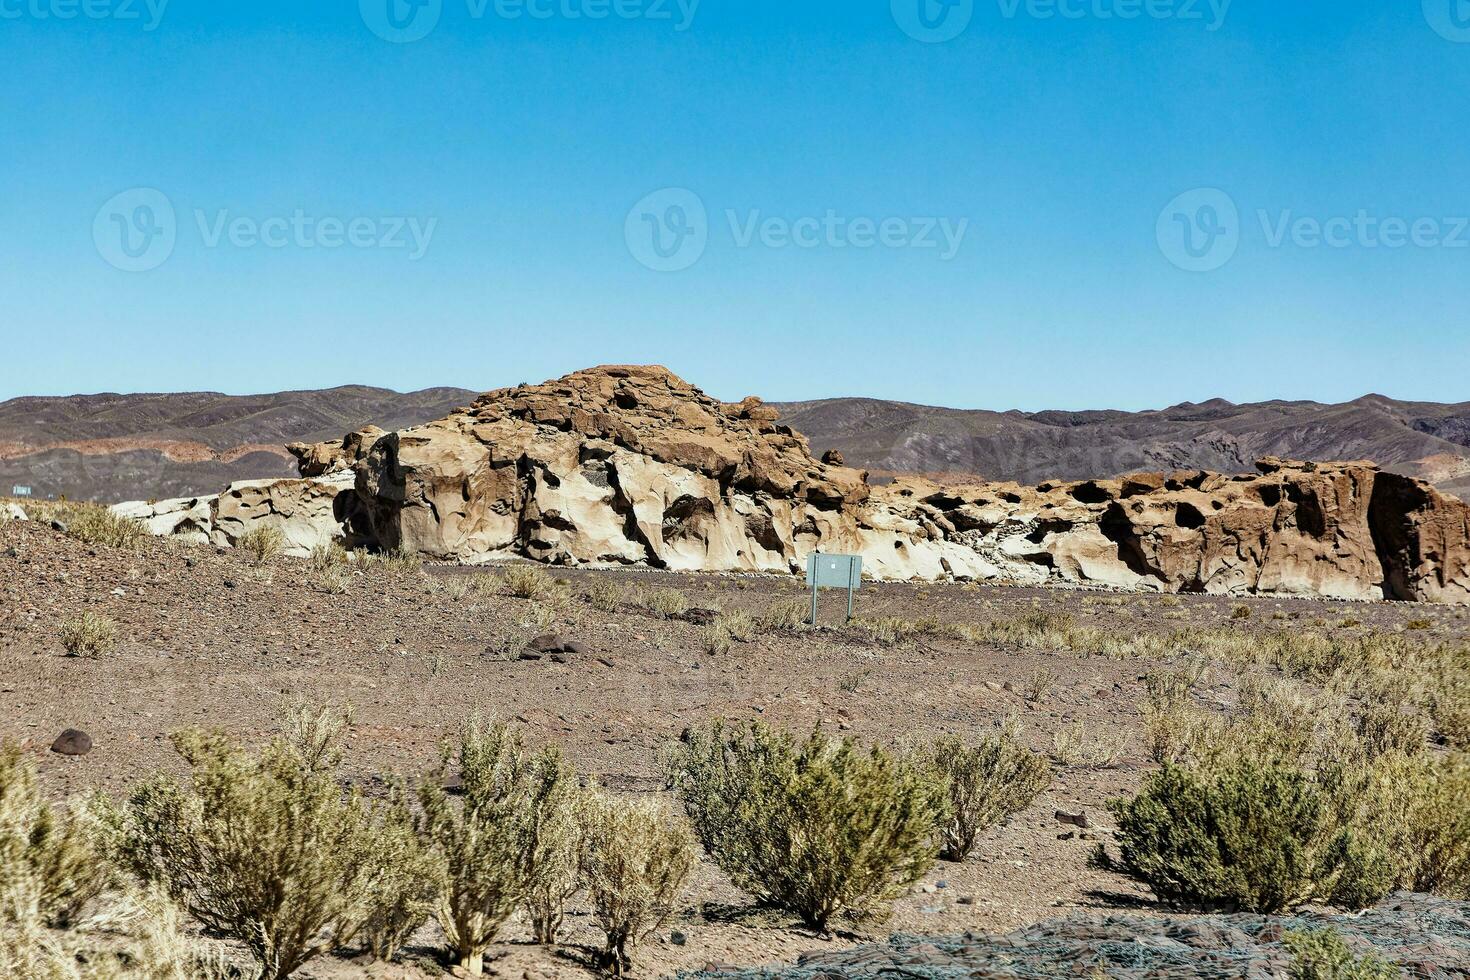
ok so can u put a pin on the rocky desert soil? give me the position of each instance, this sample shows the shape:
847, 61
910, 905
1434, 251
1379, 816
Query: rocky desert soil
209, 639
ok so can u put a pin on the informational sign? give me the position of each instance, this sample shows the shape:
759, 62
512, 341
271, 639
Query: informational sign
834, 572
19, 491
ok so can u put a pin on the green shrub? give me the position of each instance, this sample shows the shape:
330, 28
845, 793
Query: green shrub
263, 849
987, 783
481, 839
89, 635
1438, 837
328, 556
1246, 834
740, 626
636, 860
1321, 954
817, 827
553, 846
47, 854
1240, 611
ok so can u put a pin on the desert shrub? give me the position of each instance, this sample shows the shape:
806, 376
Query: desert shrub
327, 556
785, 614
739, 625
715, 640
527, 581
1246, 834
553, 846
818, 826
410, 881
1321, 954
261, 848
1038, 684
48, 854
1240, 611
263, 544
394, 562
1437, 840
1449, 702
333, 580
481, 839
636, 860
986, 783
604, 595
1076, 745
95, 525
665, 603
89, 635
1419, 625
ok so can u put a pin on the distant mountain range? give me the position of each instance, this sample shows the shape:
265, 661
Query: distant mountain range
139, 447
131, 447
1424, 439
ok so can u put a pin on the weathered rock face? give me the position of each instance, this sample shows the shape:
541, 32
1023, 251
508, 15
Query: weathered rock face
308, 512
624, 465
1340, 530
188, 518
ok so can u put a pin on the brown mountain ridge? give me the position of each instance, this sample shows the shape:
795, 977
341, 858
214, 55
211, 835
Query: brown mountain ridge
152, 446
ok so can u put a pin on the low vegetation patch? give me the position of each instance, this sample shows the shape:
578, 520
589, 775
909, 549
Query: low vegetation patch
986, 783
816, 826
89, 635
263, 544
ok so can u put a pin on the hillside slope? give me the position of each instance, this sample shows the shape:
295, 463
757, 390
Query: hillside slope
127, 447
1422, 439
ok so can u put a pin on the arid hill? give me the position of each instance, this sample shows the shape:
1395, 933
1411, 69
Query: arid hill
1422, 439
127, 447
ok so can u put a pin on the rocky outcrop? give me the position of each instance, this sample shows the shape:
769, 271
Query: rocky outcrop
631, 465
187, 518
307, 512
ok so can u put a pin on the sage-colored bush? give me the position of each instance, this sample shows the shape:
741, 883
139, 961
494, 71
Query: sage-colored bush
1249, 834
1321, 954
527, 581
263, 544
636, 860
94, 525
665, 603
410, 881
818, 827
261, 848
481, 838
47, 852
553, 848
987, 783
89, 635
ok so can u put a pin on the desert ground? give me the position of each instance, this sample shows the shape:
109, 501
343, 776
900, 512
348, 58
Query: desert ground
210, 638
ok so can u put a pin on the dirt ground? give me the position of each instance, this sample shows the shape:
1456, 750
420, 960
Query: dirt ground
207, 639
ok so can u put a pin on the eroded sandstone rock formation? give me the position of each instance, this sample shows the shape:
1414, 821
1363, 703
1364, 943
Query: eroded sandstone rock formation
624, 465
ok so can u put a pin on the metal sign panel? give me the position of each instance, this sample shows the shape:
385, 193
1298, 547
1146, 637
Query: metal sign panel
834, 571
19, 491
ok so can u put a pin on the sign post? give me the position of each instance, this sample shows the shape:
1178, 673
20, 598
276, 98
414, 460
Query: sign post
834, 572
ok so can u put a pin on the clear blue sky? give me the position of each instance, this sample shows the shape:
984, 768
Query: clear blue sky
524, 143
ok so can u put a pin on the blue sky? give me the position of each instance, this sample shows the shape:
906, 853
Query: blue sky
978, 221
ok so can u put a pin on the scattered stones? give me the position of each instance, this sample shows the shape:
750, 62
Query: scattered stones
1078, 819
60, 526
72, 742
13, 512
554, 647
1427, 936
